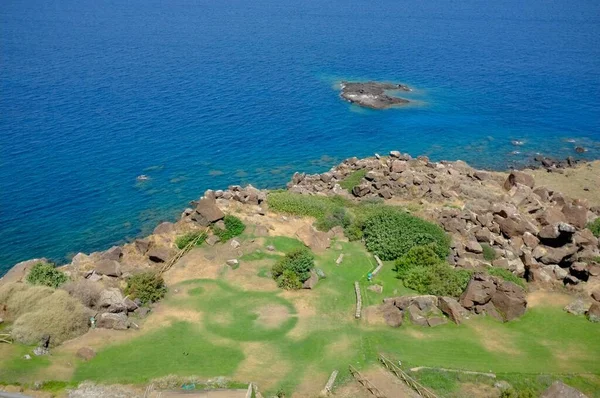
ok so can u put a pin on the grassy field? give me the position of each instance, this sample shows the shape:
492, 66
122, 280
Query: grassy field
293, 340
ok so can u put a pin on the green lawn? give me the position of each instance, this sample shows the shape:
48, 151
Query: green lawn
544, 341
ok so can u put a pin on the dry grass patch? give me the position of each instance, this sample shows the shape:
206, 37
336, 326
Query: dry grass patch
272, 315
495, 340
263, 364
19, 298
542, 298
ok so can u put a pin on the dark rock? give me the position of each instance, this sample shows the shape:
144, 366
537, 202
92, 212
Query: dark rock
311, 282
393, 315
159, 254
580, 271
478, 292
436, 320
416, 315
518, 177
593, 313
207, 212
372, 94
452, 309
510, 300
575, 215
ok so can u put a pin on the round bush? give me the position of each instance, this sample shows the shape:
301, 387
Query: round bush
233, 227
299, 262
417, 256
46, 275
391, 233
289, 280
146, 286
439, 280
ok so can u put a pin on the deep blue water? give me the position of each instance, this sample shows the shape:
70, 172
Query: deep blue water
202, 94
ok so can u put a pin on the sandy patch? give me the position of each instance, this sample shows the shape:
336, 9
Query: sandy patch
311, 385
246, 277
272, 315
478, 391
542, 298
373, 316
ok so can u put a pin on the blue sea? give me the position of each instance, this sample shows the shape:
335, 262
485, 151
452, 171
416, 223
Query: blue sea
202, 94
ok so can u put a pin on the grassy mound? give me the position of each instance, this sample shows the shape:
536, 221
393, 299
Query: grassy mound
18, 298
58, 315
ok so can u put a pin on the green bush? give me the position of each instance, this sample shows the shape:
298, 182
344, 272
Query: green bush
233, 227
339, 217
146, 286
489, 253
513, 393
439, 279
595, 227
289, 280
417, 256
506, 275
184, 240
299, 262
391, 233
46, 275
300, 205
353, 179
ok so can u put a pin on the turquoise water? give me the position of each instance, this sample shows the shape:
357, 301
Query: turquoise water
203, 94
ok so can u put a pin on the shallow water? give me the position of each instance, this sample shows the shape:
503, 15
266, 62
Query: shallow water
203, 94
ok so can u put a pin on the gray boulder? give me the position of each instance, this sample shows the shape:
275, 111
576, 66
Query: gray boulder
578, 307
108, 268
110, 320
452, 309
159, 254
207, 212
593, 313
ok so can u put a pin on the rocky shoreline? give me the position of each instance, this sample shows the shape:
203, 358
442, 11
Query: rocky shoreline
373, 94
495, 220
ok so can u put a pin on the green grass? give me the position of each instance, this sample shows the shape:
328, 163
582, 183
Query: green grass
488, 252
300, 205
507, 276
353, 179
180, 348
14, 367
259, 255
544, 345
183, 240
595, 227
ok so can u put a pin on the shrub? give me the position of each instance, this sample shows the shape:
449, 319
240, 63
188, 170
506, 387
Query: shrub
299, 262
87, 292
417, 256
18, 298
594, 226
46, 275
439, 279
488, 252
513, 393
353, 179
506, 275
391, 233
339, 216
184, 240
233, 227
59, 315
146, 286
289, 280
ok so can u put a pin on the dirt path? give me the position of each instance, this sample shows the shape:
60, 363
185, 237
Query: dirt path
389, 384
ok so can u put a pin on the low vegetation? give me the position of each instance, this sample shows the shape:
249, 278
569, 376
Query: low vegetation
507, 276
353, 179
489, 253
391, 233
595, 227
184, 240
293, 269
17, 298
233, 227
146, 286
87, 292
46, 275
